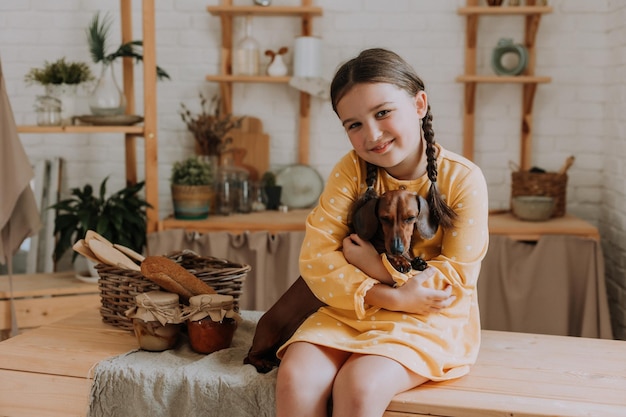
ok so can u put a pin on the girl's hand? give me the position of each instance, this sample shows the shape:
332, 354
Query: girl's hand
414, 298
362, 254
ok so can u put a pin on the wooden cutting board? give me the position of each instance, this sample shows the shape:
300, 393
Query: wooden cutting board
250, 147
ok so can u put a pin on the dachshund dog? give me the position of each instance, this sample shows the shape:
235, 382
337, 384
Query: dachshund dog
391, 222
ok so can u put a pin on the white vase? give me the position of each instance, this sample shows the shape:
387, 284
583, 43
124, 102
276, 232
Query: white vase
277, 68
66, 93
107, 98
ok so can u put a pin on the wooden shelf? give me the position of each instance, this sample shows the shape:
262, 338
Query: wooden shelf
520, 79
283, 11
228, 78
528, 79
271, 221
148, 130
504, 10
508, 225
227, 12
136, 130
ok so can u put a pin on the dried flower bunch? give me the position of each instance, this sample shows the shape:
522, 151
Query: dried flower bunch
210, 126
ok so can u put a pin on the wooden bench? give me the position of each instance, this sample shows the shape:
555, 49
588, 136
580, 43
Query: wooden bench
44, 298
45, 373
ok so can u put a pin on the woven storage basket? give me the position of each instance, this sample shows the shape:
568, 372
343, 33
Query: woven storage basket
551, 184
118, 287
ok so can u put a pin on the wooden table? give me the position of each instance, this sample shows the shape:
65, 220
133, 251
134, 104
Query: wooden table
46, 373
44, 298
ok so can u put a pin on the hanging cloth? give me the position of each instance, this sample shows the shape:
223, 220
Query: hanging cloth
19, 215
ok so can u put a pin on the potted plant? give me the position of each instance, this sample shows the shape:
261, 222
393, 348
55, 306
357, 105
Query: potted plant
107, 99
120, 218
61, 79
210, 127
271, 189
192, 188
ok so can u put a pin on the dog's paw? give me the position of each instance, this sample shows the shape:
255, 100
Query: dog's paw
400, 263
419, 264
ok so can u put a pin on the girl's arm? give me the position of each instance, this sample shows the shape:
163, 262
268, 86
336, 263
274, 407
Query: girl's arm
362, 254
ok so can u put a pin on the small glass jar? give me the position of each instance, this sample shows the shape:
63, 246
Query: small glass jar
48, 111
212, 323
156, 320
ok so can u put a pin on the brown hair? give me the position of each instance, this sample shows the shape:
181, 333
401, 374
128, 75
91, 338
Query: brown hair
383, 66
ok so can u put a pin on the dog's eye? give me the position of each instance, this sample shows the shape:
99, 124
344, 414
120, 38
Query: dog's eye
386, 220
410, 219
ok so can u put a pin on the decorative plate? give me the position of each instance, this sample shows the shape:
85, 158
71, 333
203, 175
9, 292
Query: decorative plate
117, 120
302, 185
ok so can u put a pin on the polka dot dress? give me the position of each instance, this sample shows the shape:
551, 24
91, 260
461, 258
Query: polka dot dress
438, 346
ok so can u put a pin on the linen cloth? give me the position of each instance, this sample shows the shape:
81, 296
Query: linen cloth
19, 215
439, 346
553, 286
180, 382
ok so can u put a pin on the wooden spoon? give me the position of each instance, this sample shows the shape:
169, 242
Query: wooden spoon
129, 252
568, 163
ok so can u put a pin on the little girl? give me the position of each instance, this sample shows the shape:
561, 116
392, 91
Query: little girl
381, 333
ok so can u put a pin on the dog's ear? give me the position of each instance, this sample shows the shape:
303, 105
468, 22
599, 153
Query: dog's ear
365, 220
425, 226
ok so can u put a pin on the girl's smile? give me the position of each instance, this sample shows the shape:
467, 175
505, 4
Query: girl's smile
383, 124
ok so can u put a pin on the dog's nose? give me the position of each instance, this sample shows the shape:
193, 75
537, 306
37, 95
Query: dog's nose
397, 247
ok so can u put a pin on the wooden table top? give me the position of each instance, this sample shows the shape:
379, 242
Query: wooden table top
35, 285
516, 374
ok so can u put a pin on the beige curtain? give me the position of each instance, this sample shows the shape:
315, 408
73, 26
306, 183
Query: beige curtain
272, 256
553, 286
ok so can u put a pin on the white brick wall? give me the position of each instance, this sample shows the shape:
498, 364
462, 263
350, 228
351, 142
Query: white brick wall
581, 46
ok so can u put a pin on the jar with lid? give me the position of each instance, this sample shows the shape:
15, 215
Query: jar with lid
48, 111
157, 319
211, 323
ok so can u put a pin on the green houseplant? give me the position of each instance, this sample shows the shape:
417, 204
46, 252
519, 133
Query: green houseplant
192, 188
60, 72
61, 80
121, 217
107, 98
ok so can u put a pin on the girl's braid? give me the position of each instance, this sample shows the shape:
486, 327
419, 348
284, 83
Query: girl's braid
440, 212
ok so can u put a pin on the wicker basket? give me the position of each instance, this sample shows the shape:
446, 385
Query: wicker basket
118, 287
551, 184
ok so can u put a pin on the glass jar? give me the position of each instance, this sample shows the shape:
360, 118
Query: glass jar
156, 320
233, 190
48, 111
212, 322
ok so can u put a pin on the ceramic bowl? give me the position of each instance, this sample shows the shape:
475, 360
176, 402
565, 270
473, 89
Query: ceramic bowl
532, 207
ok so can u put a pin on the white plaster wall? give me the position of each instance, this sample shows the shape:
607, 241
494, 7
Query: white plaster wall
581, 112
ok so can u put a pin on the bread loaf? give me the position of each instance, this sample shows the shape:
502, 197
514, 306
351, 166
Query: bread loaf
174, 278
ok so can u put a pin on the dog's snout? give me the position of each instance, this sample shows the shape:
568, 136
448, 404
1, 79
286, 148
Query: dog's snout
397, 247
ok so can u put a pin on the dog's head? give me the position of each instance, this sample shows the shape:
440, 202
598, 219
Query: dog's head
399, 214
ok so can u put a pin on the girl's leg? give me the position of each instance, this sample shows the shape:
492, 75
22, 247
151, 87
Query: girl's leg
365, 385
305, 380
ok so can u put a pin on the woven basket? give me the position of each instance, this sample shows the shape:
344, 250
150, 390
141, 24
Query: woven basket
551, 184
118, 287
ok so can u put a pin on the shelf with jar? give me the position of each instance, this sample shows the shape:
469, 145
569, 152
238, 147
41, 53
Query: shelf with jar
532, 11
229, 74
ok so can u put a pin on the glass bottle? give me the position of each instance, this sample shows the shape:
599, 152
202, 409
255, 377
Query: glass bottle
247, 53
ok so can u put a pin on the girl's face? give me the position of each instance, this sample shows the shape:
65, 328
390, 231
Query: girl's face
383, 124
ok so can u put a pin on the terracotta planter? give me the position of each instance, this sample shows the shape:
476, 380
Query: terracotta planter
192, 202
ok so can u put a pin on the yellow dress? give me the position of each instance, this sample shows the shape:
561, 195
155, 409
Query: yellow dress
438, 346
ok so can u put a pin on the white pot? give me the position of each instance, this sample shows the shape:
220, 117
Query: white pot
67, 94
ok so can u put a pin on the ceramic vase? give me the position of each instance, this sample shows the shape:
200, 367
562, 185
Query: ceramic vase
66, 94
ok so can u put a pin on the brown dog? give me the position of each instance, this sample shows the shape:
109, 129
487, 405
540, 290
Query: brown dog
392, 223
